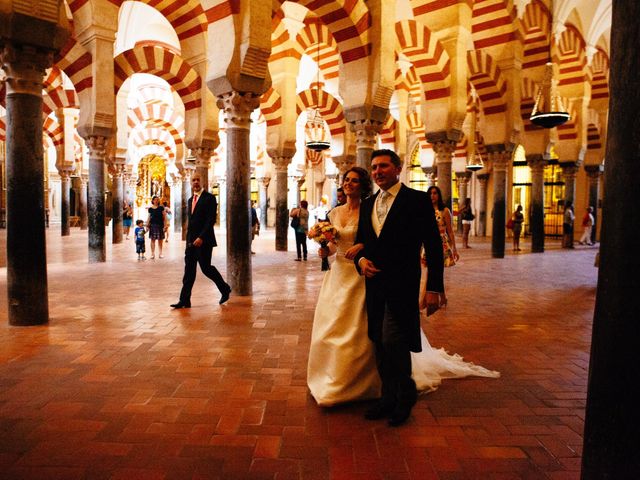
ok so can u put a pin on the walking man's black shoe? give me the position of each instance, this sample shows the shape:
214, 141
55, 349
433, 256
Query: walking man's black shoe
181, 305
225, 295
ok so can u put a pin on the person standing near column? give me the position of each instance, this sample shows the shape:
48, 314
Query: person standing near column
567, 225
587, 224
201, 216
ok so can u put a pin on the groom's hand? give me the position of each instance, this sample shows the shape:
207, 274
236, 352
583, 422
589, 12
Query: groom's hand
367, 268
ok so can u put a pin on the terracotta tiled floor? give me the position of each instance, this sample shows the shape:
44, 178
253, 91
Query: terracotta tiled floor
120, 386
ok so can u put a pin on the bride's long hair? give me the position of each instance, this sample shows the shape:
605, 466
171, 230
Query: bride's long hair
365, 181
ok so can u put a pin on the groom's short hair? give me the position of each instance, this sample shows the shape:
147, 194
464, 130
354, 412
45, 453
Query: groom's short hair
395, 159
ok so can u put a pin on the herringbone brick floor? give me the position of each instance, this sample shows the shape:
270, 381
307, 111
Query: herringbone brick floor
119, 386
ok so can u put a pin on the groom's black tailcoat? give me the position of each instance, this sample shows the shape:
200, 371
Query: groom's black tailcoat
410, 223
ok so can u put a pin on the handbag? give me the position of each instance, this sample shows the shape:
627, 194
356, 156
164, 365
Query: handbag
510, 224
295, 221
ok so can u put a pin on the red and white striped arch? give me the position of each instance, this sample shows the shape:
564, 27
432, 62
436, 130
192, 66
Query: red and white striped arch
528, 92
493, 22
143, 135
572, 56
326, 53
486, 78
535, 29
157, 114
569, 130
600, 75
55, 96
593, 138
54, 130
75, 61
164, 64
411, 83
348, 21
428, 57
281, 46
271, 107
387, 135
329, 107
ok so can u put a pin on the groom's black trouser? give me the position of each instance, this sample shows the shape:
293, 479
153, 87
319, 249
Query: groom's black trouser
192, 257
393, 359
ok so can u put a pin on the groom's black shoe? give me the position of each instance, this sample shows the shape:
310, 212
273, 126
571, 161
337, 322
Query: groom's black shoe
181, 305
379, 410
225, 295
402, 412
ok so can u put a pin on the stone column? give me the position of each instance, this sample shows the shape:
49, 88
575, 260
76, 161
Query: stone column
594, 172
185, 195
26, 249
222, 203
176, 195
117, 182
319, 184
344, 163
299, 182
463, 188
97, 150
499, 161
482, 207
610, 448
366, 131
537, 163
237, 108
333, 199
263, 185
65, 207
82, 203
203, 163
281, 164
431, 176
569, 172
444, 156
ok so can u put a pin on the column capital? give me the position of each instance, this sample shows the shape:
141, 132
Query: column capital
444, 136
264, 181
281, 163
569, 168
499, 159
483, 178
344, 163
366, 130
536, 161
300, 180
24, 67
203, 156
97, 145
594, 171
237, 107
463, 177
65, 173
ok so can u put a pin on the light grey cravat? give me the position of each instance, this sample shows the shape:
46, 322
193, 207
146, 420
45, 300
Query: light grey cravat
382, 206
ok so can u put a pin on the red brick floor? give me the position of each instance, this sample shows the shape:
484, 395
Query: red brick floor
120, 386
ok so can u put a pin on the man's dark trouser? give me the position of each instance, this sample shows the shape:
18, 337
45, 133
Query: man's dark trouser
301, 241
192, 257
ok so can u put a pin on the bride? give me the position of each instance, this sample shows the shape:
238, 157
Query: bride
342, 365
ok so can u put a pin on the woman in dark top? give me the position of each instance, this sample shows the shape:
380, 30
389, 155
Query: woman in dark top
518, 219
155, 224
127, 218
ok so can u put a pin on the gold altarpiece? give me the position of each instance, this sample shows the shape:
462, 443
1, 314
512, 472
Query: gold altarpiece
152, 180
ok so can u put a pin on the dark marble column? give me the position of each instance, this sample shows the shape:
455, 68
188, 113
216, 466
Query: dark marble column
203, 162
186, 195
611, 434
444, 157
499, 161
222, 202
95, 209
366, 131
569, 172
263, 185
594, 172
281, 164
117, 195
537, 163
462, 179
483, 178
26, 249
82, 203
237, 108
65, 207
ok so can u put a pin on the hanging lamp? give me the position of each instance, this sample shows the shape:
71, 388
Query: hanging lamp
315, 123
475, 163
555, 115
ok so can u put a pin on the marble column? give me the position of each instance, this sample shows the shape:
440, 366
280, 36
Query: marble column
176, 196
299, 183
222, 202
185, 196
263, 185
97, 151
610, 449
319, 184
499, 161
462, 179
237, 108
203, 163
569, 173
117, 197
483, 178
366, 131
280, 165
82, 203
333, 199
27, 286
594, 172
537, 163
444, 157
65, 207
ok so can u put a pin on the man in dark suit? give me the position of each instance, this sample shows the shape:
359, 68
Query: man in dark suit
393, 225
201, 212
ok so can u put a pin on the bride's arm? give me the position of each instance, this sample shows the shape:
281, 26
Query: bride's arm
351, 253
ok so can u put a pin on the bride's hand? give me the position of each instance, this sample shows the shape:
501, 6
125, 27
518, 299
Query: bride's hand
351, 253
323, 252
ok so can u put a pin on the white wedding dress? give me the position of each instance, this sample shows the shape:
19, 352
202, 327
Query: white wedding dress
342, 365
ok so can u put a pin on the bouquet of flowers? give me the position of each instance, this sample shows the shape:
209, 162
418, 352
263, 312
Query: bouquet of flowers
323, 233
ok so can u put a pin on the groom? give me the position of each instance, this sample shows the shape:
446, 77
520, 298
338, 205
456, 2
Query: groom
393, 225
